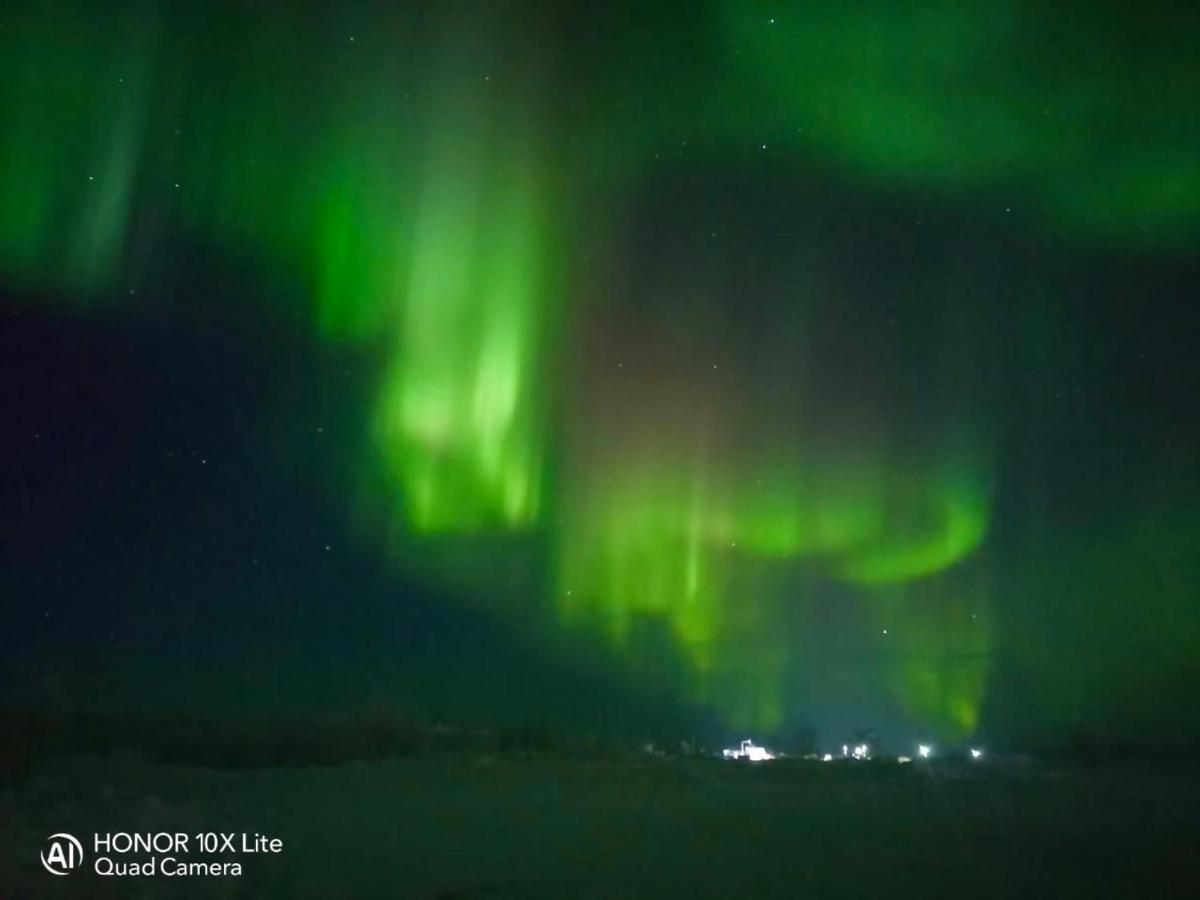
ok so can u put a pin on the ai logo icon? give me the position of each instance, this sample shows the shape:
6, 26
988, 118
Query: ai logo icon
63, 854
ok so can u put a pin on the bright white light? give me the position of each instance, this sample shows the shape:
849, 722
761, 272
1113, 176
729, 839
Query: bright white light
845, 750
749, 751
828, 757
976, 753
903, 759
862, 751
923, 750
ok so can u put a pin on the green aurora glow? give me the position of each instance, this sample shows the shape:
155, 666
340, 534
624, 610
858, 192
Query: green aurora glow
434, 197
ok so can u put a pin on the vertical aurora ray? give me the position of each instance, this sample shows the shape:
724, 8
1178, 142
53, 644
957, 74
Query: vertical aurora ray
936, 635
460, 415
72, 113
457, 416
645, 563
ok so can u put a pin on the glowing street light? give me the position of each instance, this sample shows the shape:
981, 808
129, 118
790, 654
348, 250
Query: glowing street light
924, 751
976, 753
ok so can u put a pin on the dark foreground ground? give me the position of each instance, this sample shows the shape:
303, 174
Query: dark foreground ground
485, 826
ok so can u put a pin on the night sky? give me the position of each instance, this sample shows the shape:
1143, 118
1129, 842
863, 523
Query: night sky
718, 368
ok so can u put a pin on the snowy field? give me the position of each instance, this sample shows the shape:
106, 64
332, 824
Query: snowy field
478, 826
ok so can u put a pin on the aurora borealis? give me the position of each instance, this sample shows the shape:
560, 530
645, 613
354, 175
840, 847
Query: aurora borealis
787, 363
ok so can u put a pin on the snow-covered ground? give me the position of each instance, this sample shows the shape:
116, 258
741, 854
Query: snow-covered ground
476, 826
